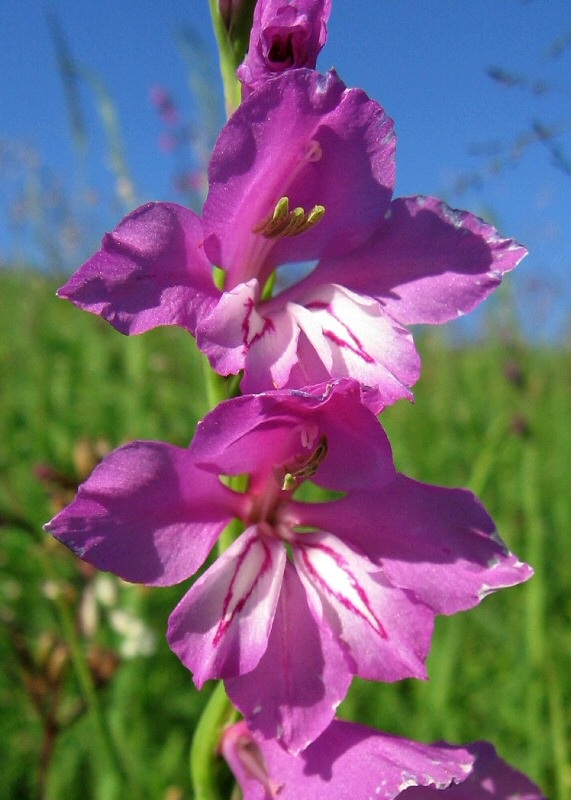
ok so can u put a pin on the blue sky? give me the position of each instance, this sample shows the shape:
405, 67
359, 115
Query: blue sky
425, 61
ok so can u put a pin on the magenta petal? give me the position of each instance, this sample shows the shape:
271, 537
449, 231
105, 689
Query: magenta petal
307, 137
146, 514
300, 680
347, 762
427, 263
384, 632
271, 355
355, 338
252, 433
239, 434
491, 779
440, 543
352, 431
237, 332
226, 333
150, 271
221, 626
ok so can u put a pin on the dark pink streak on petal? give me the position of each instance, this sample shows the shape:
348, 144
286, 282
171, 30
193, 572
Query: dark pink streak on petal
268, 326
230, 607
356, 348
301, 678
345, 601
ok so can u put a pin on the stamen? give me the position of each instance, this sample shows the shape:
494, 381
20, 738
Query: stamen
283, 222
313, 151
305, 469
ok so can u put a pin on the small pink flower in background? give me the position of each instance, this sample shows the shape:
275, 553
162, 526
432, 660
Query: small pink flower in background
347, 762
190, 180
353, 762
311, 593
165, 105
302, 172
285, 34
168, 143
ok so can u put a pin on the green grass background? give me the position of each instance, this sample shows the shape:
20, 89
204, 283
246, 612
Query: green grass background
494, 416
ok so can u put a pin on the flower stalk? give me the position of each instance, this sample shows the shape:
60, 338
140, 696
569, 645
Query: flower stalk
228, 59
303, 594
205, 749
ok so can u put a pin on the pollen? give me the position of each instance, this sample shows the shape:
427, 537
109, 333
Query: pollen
283, 222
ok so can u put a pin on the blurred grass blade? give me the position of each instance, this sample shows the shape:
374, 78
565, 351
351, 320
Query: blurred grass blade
201, 76
69, 75
124, 185
72, 72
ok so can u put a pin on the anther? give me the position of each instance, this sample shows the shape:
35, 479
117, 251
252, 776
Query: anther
283, 222
304, 469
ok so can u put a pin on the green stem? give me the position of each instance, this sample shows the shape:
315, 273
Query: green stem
219, 712
214, 385
204, 759
218, 388
231, 531
227, 56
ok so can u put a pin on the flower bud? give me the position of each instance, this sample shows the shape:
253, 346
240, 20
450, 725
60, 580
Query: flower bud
284, 35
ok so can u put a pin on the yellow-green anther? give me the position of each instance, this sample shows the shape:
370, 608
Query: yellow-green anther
219, 277
282, 208
305, 469
274, 220
316, 214
291, 225
289, 482
283, 222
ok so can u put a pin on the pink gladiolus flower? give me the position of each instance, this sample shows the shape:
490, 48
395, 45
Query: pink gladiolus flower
347, 762
302, 172
352, 762
311, 593
284, 35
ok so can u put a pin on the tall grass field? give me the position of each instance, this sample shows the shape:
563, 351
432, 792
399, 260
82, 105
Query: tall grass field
92, 702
